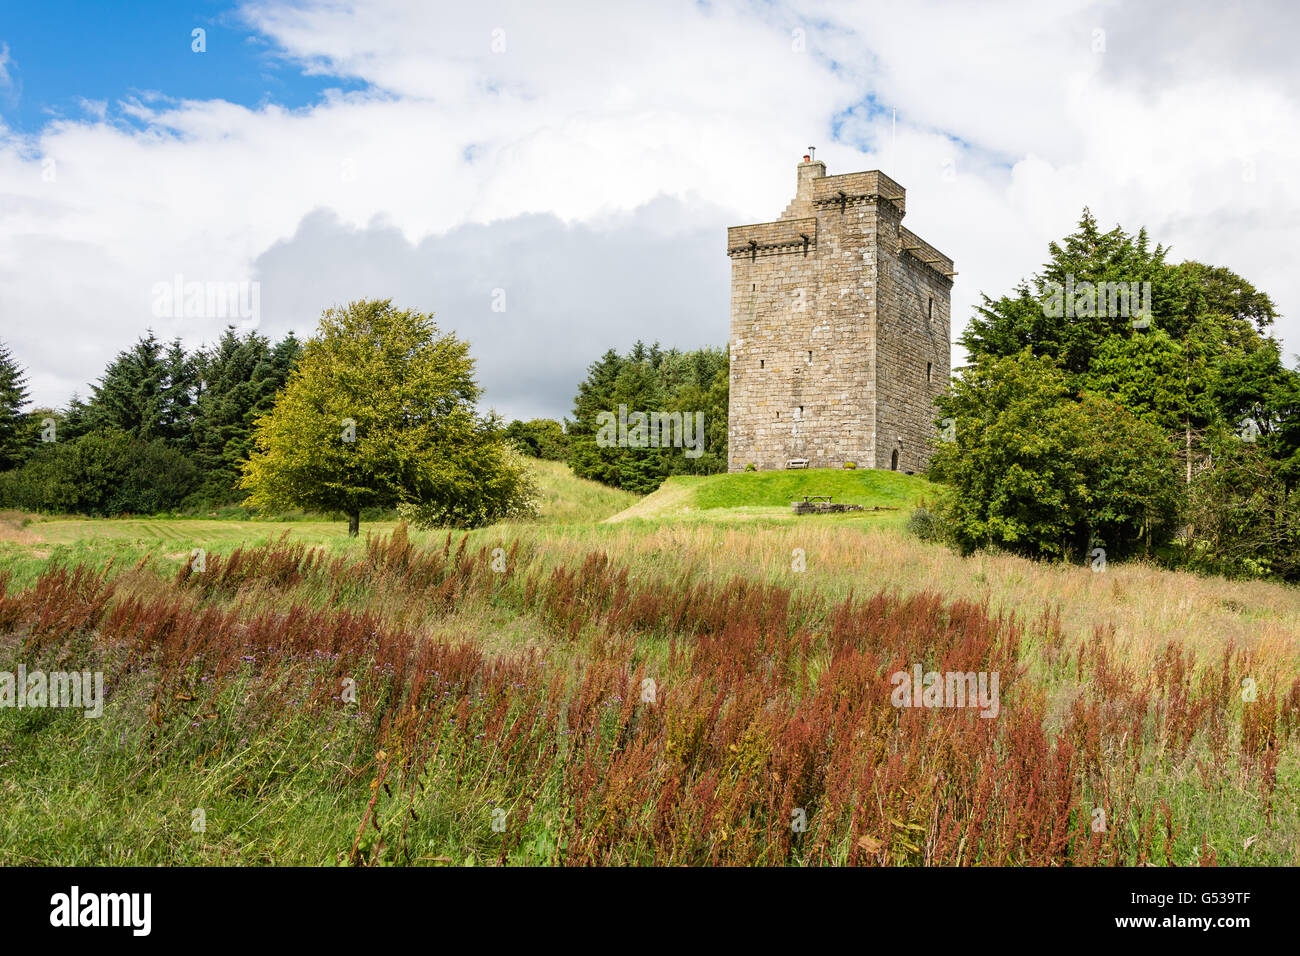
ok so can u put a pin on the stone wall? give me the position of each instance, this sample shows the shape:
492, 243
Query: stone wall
831, 329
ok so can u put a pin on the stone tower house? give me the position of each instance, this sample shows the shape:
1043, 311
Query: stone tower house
839, 329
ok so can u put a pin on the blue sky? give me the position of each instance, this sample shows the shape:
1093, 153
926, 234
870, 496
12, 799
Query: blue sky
62, 53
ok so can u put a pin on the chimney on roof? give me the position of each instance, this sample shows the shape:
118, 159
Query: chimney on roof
808, 171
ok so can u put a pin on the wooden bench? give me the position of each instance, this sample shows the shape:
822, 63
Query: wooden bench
796, 463
817, 498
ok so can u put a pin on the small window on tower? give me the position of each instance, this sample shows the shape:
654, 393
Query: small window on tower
928, 367
929, 310
762, 363
810, 355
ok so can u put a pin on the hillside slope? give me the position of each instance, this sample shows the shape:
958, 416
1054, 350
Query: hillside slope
568, 499
768, 494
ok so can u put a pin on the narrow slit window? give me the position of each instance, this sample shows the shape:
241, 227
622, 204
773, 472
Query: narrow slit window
929, 310
762, 363
928, 367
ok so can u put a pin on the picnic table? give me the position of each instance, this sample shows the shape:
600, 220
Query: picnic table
816, 497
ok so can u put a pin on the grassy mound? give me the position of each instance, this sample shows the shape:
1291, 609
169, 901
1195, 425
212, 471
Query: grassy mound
769, 493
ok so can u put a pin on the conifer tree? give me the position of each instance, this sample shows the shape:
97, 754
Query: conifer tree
16, 431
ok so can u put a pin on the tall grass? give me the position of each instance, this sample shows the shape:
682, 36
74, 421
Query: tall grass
623, 700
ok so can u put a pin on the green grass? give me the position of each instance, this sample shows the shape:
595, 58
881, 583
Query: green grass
778, 488
768, 494
568, 499
28, 541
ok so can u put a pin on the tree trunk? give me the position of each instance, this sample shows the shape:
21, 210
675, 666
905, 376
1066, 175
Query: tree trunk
354, 523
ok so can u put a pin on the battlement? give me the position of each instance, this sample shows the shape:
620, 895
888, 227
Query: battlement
871, 186
815, 188
766, 238
912, 244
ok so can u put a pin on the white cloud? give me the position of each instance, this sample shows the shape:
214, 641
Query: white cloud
642, 130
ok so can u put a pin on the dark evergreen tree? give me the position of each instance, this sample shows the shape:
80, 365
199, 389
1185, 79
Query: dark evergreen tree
238, 382
73, 422
650, 379
177, 398
131, 394
16, 431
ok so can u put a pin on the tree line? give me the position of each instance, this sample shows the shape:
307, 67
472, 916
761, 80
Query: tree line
163, 428
377, 413
166, 430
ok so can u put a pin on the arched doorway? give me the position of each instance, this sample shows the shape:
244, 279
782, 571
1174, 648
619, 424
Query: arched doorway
893, 461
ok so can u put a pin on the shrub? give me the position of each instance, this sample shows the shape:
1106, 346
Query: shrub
103, 473
928, 526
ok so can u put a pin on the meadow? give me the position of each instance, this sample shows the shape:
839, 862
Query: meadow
696, 677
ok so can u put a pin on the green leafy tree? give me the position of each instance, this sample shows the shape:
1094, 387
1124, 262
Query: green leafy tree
1241, 518
1039, 318
540, 437
1040, 470
1187, 368
1260, 399
1202, 367
380, 412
